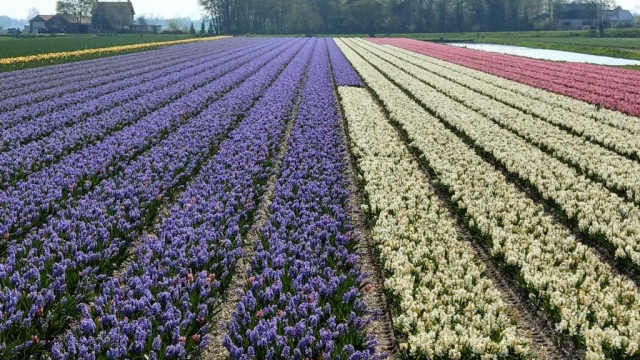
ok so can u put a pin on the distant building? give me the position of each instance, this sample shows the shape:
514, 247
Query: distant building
618, 16
145, 28
112, 15
576, 16
59, 23
38, 23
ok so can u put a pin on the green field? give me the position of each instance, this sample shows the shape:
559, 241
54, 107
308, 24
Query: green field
620, 43
13, 47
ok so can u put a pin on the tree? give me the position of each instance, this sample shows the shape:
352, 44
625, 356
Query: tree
602, 6
202, 28
78, 8
210, 30
370, 16
305, 18
218, 11
478, 9
496, 15
192, 30
142, 21
367, 15
174, 25
442, 15
33, 12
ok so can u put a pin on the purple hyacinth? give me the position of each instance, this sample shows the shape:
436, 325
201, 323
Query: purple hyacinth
199, 242
343, 73
303, 298
86, 238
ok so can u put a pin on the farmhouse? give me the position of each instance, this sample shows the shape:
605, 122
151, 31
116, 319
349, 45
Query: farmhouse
38, 23
112, 15
576, 16
66, 23
618, 16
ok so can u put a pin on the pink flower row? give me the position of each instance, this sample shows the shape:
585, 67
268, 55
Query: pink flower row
613, 88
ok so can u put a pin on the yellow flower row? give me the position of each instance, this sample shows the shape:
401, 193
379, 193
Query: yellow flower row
106, 50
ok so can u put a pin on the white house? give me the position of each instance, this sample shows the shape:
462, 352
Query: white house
38, 23
619, 15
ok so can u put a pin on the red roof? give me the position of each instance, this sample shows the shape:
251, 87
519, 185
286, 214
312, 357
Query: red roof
73, 19
42, 18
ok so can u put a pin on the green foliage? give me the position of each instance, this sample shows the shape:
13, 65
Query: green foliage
384, 16
367, 15
78, 8
192, 30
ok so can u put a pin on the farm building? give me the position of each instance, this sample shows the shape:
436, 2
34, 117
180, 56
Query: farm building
618, 16
577, 16
59, 23
112, 15
38, 23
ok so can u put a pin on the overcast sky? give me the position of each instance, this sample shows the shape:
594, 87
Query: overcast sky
165, 8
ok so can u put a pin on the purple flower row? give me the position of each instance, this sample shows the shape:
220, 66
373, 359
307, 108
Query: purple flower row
73, 107
145, 98
43, 193
303, 298
343, 73
57, 267
52, 76
162, 305
124, 73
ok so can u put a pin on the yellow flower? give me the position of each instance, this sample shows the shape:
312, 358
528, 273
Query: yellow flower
106, 50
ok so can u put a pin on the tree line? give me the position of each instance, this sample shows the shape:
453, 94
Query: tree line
378, 16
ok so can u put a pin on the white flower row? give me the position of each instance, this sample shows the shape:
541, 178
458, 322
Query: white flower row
446, 307
579, 292
613, 169
594, 208
558, 102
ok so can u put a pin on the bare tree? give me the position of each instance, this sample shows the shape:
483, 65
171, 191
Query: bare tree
601, 8
218, 11
78, 8
174, 25
33, 12
142, 21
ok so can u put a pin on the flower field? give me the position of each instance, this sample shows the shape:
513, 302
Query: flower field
361, 199
608, 87
103, 51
